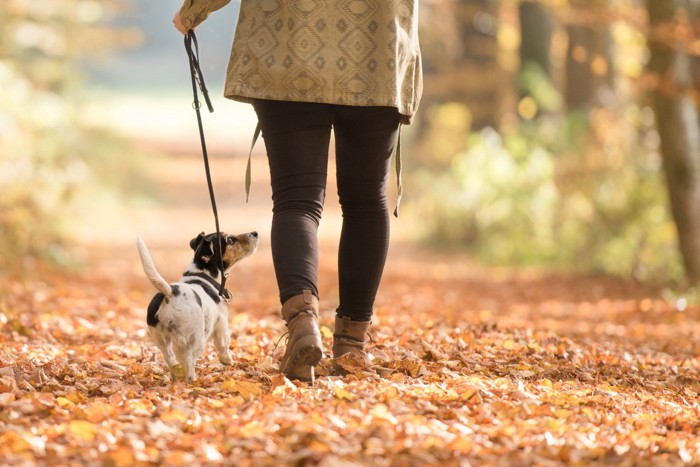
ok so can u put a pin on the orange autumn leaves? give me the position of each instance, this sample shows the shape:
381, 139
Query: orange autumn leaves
465, 368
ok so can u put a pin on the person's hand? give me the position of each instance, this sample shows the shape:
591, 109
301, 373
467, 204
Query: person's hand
178, 24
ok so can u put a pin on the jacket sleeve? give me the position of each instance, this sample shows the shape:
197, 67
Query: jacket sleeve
193, 12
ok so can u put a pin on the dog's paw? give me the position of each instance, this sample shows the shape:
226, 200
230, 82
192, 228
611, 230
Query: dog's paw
226, 358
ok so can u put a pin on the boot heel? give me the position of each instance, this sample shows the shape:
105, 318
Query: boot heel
304, 347
302, 357
309, 350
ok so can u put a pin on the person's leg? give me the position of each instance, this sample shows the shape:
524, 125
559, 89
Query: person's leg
365, 139
296, 137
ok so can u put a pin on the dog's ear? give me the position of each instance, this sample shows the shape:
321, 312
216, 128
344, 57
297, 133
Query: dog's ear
194, 243
205, 250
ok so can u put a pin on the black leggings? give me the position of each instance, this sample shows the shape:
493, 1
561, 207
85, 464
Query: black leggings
297, 137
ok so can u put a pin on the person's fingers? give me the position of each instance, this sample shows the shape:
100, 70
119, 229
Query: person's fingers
178, 23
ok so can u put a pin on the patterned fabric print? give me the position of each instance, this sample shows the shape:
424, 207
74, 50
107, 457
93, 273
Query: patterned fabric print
351, 52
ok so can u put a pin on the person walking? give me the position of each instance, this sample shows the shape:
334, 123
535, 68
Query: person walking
310, 67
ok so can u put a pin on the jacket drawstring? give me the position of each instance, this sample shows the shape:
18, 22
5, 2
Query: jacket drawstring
399, 169
248, 169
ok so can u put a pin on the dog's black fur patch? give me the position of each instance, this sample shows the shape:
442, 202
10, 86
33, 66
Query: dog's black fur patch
213, 294
153, 307
197, 299
207, 253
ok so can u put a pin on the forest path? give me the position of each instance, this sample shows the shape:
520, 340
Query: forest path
472, 365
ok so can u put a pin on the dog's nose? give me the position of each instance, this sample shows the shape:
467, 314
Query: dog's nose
254, 234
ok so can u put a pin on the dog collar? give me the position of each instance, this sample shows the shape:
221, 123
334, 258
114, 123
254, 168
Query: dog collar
225, 294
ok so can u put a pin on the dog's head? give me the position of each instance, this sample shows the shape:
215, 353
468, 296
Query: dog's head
207, 250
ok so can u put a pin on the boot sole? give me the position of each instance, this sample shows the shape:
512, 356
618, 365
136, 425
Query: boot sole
304, 355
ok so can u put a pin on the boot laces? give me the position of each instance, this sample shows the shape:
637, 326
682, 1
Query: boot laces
274, 351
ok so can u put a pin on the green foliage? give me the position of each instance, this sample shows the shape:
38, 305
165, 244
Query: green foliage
581, 191
535, 82
47, 153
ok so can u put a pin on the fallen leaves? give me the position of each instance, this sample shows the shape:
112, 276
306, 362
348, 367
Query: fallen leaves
576, 380
245, 389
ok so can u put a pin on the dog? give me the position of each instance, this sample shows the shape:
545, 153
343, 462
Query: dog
182, 317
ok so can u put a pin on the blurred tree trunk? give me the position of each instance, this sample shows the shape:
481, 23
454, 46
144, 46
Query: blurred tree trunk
589, 65
677, 120
536, 31
460, 49
478, 20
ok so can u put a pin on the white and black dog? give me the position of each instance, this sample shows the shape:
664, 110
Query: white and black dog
182, 317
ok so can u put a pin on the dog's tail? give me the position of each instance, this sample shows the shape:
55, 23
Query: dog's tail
150, 269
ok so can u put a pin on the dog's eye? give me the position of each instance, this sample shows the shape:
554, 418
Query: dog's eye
230, 240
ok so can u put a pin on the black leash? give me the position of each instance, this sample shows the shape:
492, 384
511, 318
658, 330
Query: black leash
192, 48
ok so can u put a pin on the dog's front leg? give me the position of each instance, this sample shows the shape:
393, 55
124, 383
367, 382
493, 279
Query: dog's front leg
190, 362
222, 341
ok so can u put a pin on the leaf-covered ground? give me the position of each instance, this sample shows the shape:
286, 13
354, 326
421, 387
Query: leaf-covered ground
472, 366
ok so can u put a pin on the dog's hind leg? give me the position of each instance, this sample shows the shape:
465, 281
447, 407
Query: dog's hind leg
163, 344
187, 352
186, 367
169, 355
189, 364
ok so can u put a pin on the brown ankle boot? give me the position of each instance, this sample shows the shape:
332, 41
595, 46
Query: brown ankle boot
349, 338
304, 344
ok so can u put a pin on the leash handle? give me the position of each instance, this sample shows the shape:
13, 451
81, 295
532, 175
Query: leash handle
192, 48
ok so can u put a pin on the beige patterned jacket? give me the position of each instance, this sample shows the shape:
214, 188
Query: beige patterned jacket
350, 52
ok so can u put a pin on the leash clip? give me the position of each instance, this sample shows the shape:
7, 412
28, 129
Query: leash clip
227, 296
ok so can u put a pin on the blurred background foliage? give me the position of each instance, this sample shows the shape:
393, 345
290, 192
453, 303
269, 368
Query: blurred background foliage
54, 164
538, 141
